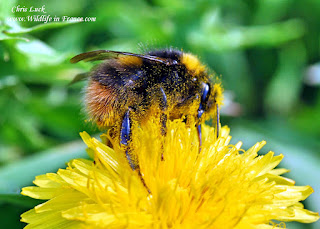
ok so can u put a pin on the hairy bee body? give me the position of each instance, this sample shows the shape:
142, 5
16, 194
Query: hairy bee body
128, 88
136, 83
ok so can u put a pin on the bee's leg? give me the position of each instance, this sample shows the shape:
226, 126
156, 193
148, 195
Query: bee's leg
200, 112
204, 96
164, 108
125, 135
163, 117
218, 121
163, 121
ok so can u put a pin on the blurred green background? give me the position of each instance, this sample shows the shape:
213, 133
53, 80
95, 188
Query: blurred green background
267, 52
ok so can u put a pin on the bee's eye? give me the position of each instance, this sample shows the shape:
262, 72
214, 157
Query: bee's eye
205, 92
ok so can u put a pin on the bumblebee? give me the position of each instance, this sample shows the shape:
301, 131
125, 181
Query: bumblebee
128, 88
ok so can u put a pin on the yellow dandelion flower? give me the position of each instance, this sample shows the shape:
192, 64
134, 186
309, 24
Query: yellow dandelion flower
222, 187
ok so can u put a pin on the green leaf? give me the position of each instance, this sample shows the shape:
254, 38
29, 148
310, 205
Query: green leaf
18, 199
6, 37
287, 80
10, 215
220, 38
5, 8
37, 28
34, 54
4, 26
17, 175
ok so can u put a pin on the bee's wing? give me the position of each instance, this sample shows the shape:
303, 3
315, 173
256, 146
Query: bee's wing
107, 54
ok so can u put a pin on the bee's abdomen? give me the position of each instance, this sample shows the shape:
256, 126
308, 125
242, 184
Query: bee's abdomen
103, 104
112, 90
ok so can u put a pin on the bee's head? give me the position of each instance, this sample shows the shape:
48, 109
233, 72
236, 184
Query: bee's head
211, 91
211, 97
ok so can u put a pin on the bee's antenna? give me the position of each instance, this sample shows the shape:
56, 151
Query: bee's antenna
218, 121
